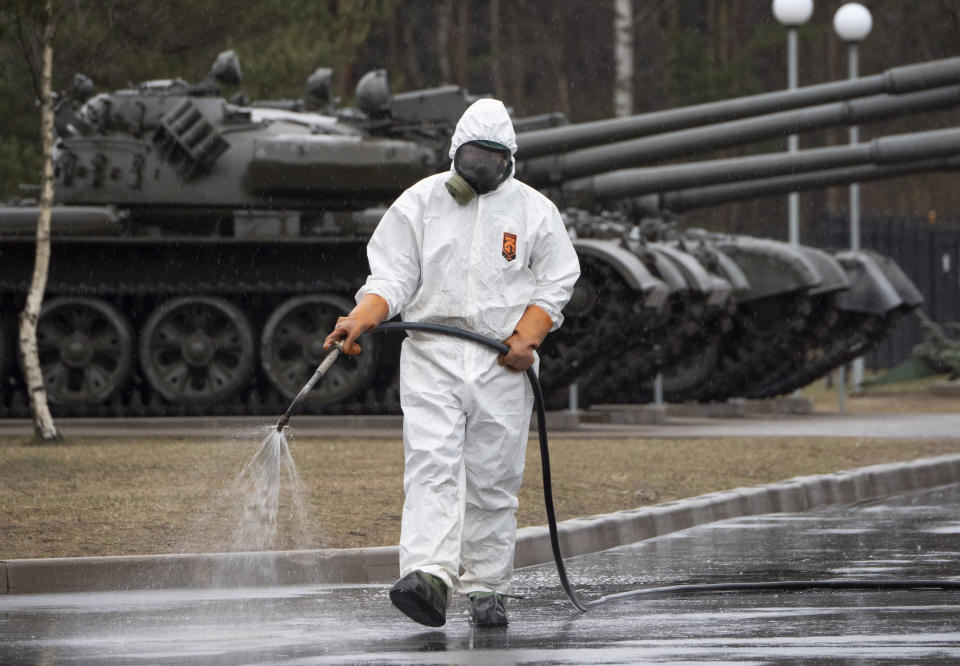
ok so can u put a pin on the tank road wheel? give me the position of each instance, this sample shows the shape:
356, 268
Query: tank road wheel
196, 349
84, 348
692, 374
291, 348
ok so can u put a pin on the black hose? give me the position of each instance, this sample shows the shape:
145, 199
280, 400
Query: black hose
786, 585
501, 348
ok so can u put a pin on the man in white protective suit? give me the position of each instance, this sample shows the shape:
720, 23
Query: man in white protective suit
476, 249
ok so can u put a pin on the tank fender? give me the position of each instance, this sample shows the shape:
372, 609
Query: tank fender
669, 273
699, 278
629, 266
901, 282
64, 220
831, 273
870, 291
731, 271
770, 266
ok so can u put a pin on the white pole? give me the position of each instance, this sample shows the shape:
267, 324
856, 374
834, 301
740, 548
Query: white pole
793, 199
853, 66
842, 389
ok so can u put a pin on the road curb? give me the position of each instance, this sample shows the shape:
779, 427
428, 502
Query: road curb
578, 536
734, 408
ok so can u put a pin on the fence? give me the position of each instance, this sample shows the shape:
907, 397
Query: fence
927, 250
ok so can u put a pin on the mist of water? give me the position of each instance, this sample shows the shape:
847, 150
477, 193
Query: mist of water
267, 482
258, 489
260, 512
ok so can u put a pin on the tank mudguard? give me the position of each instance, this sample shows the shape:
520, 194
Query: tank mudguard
718, 290
731, 271
832, 276
669, 272
770, 266
901, 282
64, 220
870, 291
654, 290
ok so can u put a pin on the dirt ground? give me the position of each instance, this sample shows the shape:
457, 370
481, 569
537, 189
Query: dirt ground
120, 496
912, 397
163, 495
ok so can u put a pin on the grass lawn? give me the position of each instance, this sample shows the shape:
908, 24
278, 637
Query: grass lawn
137, 496
121, 496
909, 397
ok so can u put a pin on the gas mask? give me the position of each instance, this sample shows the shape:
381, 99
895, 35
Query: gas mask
480, 167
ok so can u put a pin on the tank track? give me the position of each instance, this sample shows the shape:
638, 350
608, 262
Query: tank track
588, 336
750, 351
256, 300
629, 377
822, 327
860, 334
577, 345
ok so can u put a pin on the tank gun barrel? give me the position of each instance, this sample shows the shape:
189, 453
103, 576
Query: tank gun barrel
880, 151
648, 150
896, 81
713, 195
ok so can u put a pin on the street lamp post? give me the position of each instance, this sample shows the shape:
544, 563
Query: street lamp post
793, 13
853, 23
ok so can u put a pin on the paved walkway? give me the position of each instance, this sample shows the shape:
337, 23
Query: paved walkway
912, 535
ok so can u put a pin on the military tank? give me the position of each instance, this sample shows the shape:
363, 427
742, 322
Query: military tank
799, 311
202, 247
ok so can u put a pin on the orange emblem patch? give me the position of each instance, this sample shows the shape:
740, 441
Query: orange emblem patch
509, 246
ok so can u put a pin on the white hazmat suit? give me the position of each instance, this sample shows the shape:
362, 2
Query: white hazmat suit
466, 419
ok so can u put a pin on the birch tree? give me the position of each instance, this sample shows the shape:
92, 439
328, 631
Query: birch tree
623, 57
42, 420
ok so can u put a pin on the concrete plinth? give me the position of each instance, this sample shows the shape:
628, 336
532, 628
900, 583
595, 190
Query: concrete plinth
625, 414
946, 389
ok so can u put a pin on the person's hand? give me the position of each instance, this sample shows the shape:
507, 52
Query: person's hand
520, 357
347, 330
527, 336
370, 311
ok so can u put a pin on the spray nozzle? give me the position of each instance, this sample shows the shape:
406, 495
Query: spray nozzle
334, 353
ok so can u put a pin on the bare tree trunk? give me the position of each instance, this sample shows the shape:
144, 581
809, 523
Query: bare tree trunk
463, 21
444, 27
414, 71
495, 49
345, 62
42, 420
558, 53
623, 57
518, 98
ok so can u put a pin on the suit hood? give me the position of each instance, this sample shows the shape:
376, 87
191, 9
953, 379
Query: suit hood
485, 120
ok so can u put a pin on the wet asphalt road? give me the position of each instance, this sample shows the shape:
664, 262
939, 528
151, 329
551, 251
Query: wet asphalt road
915, 536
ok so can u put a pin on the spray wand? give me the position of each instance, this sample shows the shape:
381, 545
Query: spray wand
321, 370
